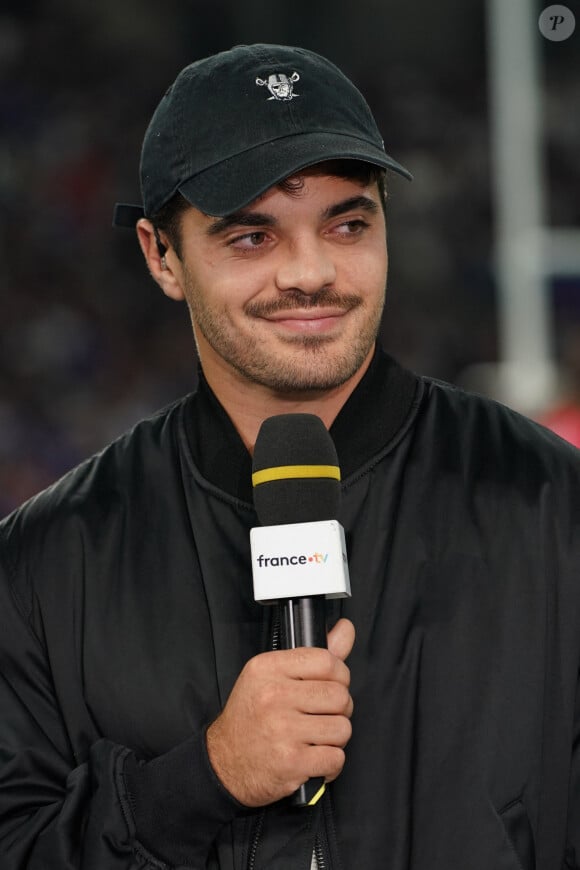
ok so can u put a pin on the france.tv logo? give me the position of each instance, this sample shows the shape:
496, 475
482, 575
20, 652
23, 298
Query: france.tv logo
278, 561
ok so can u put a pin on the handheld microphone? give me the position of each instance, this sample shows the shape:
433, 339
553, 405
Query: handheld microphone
299, 551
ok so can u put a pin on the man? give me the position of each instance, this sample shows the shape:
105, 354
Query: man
146, 721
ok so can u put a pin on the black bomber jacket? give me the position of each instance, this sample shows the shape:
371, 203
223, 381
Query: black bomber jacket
126, 614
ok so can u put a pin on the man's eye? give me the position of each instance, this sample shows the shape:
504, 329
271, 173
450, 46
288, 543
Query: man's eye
352, 227
249, 240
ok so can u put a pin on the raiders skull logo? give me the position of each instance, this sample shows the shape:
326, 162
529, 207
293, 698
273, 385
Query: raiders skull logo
280, 85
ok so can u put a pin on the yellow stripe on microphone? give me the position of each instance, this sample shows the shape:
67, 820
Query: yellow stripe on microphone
294, 472
314, 800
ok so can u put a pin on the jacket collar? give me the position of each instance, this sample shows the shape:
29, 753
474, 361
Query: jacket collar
371, 418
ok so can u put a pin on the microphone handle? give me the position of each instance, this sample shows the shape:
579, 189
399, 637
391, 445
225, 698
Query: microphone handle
305, 625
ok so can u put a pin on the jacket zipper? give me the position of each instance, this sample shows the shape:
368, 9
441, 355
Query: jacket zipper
276, 628
256, 834
319, 855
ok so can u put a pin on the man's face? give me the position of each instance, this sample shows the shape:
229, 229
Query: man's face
288, 293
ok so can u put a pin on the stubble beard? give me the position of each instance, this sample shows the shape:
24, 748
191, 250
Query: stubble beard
314, 363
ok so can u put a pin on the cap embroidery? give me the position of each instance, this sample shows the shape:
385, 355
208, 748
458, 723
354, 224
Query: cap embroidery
280, 85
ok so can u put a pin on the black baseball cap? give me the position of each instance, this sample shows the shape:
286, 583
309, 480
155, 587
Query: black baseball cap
234, 124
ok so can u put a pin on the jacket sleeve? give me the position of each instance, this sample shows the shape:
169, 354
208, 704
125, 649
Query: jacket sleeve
104, 809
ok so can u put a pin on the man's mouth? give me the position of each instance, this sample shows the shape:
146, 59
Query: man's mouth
318, 313
308, 320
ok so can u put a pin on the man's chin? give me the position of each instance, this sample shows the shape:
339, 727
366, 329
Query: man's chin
312, 376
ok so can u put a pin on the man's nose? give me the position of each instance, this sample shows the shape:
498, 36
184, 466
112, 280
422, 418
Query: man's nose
306, 266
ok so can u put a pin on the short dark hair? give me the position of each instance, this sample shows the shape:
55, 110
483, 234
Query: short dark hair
168, 218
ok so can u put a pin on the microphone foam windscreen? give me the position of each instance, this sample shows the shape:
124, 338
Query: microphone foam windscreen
296, 476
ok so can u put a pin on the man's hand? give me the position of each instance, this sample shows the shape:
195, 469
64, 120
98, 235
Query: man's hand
287, 720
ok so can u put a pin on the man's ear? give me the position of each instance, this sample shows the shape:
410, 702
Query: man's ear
164, 267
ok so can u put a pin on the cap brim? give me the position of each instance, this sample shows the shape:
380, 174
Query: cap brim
232, 184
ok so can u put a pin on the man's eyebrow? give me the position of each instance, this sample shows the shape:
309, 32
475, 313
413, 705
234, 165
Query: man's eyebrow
240, 219
263, 219
351, 204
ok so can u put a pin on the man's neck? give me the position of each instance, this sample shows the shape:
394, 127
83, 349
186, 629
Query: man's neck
248, 404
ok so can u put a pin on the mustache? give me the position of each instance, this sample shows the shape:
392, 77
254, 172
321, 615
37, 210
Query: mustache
293, 300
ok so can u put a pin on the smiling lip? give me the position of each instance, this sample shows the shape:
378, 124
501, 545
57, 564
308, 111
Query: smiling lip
310, 320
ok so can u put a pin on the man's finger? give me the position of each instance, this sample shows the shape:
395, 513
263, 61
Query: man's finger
341, 639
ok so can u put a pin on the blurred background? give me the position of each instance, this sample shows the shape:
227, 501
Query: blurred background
482, 108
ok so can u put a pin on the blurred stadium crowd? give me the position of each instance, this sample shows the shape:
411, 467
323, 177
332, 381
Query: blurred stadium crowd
87, 344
